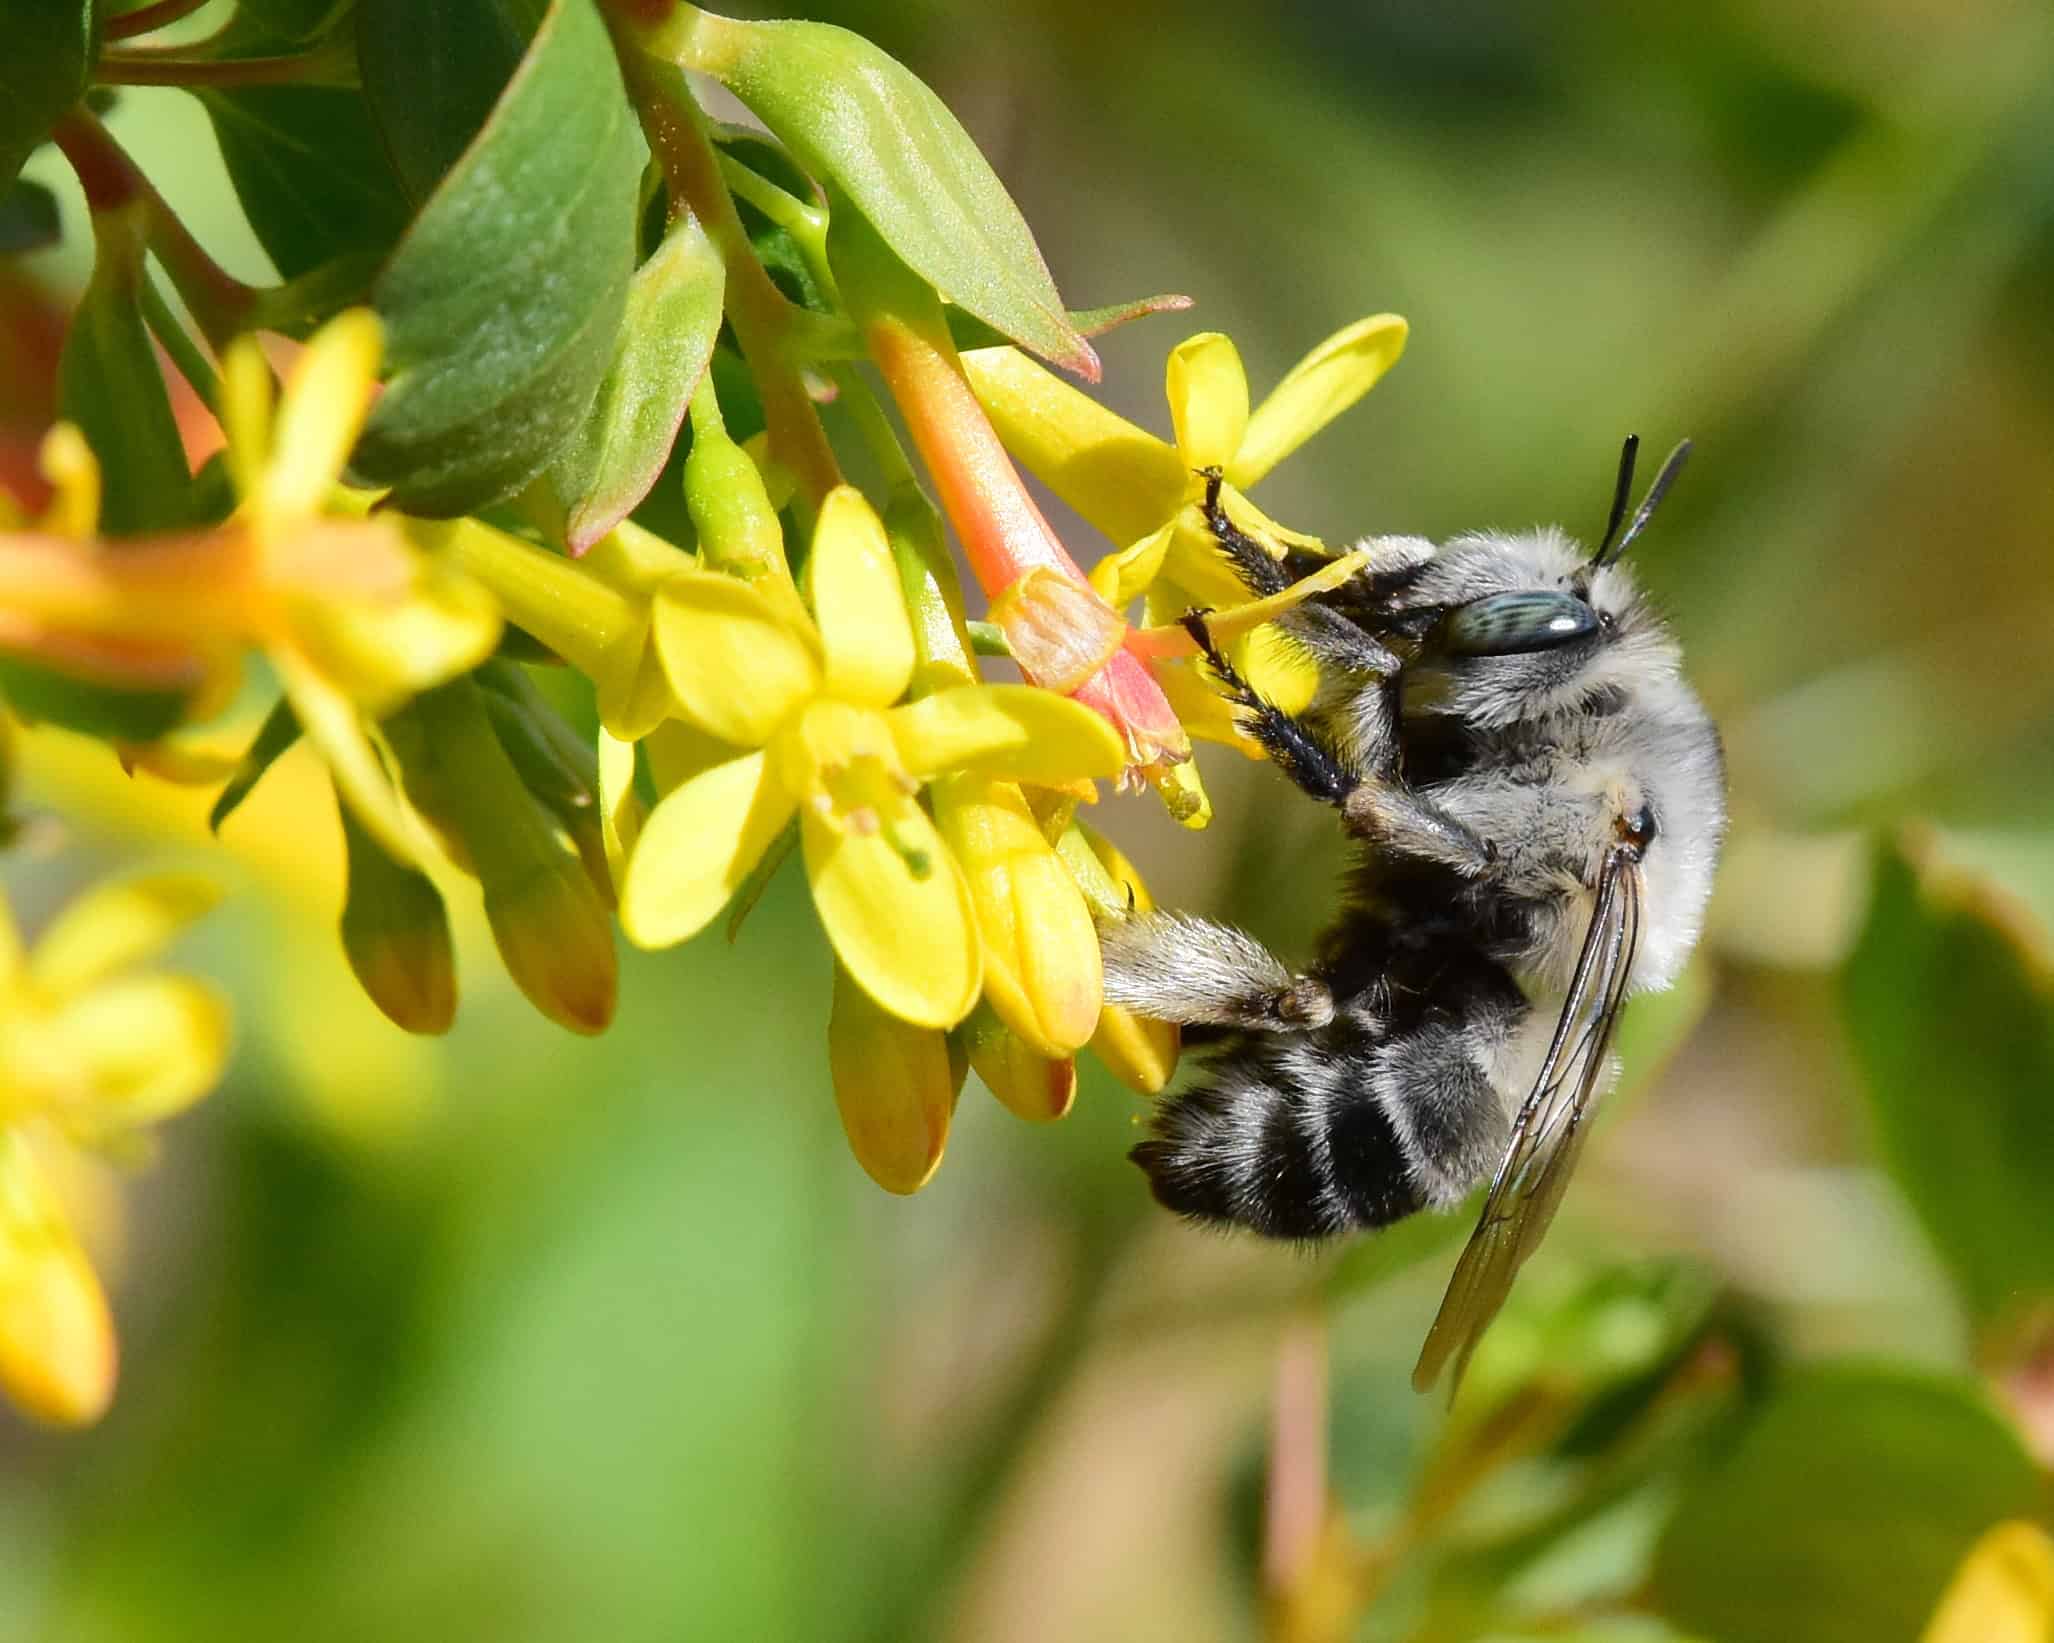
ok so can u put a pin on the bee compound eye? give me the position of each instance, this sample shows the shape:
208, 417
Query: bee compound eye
1511, 624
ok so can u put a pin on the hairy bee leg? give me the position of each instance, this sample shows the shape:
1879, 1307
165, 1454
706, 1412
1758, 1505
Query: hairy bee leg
1175, 967
1396, 818
1293, 746
1252, 561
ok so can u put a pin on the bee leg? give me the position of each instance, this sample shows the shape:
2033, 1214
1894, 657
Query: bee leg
1252, 562
1174, 967
1296, 749
1398, 819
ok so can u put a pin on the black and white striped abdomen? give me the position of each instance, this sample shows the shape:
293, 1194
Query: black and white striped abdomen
1317, 1132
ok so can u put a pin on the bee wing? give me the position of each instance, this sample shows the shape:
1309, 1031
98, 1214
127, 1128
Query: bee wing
1548, 1133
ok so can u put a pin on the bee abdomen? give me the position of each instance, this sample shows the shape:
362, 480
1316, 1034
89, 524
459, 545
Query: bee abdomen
1285, 1139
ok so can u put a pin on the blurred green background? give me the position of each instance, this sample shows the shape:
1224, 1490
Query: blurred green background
514, 1336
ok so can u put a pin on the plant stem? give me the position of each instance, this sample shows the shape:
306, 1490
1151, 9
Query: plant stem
325, 67
219, 303
177, 341
149, 19
755, 307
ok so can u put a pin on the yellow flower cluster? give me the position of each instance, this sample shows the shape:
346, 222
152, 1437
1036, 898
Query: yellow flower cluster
838, 715
91, 1053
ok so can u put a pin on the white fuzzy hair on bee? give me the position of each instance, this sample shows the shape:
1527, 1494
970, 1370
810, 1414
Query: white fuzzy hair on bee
1538, 800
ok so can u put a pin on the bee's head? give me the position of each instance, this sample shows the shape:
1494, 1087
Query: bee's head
1529, 624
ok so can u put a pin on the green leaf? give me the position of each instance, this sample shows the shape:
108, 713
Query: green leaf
1842, 1510
88, 706
853, 116
503, 301
665, 341
968, 331
28, 218
1950, 1006
281, 728
50, 48
108, 383
432, 75
309, 171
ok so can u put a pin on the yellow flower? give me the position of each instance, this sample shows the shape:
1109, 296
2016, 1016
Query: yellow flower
805, 708
1145, 492
2002, 1593
352, 619
89, 1053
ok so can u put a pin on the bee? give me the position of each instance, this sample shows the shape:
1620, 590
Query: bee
1538, 800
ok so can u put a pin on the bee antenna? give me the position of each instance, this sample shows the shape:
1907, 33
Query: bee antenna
1620, 492
1672, 465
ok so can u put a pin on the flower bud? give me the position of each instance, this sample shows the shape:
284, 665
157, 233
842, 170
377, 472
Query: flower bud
1042, 973
395, 933
895, 1086
730, 506
552, 928
1030, 1085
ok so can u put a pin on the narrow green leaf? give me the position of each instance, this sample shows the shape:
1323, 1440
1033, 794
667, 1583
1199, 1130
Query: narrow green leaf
49, 49
281, 728
1950, 1005
432, 75
108, 383
1842, 1510
28, 218
665, 341
88, 706
853, 116
504, 298
310, 172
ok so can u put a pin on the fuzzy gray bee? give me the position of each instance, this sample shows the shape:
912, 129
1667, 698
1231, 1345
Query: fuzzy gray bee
1539, 799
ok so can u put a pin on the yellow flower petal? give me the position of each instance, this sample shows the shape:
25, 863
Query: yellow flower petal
1121, 478
1238, 620
246, 396
379, 652
133, 1051
331, 722
1029, 1085
2002, 1593
326, 401
620, 807
852, 583
894, 1086
697, 847
1019, 732
67, 461
1042, 972
737, 668
114, 926
1316, 390
1208, 394
1204, 712
1140, 1053
1122, 577
57, 1354
894, 904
